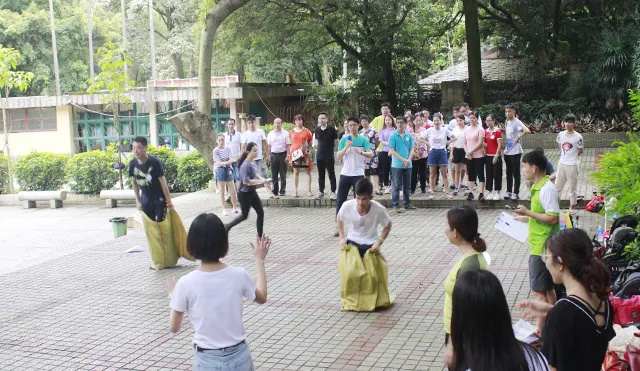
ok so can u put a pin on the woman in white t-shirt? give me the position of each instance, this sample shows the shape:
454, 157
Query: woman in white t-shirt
482, 336
458, 155
437, 144
213, 296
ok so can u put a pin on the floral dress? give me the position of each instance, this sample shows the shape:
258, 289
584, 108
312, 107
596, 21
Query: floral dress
420, 149
300, 140
372, 135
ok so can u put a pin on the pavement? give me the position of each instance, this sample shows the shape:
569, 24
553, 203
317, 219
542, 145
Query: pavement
73, 300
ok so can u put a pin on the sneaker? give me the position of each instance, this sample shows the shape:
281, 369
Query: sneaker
320, 195
496, 196
455, 192
424, 192
224, 212
449, 196
336, 234
281, 194
481, 196
413, 193
398, 210
411, 207
463, 186
470, 196
507, 196
452, 187
333, 196
432, 195
515, 197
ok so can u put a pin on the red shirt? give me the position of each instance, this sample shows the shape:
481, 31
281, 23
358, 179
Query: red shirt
491, 139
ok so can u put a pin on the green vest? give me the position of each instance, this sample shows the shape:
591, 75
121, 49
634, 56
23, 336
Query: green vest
539, 231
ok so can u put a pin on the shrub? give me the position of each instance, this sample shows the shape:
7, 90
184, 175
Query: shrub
4, 173
285, 126
170, 161
619, 176
90, 172
41, 171
193, 172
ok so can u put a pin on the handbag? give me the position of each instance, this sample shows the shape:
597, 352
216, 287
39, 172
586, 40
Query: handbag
297, 154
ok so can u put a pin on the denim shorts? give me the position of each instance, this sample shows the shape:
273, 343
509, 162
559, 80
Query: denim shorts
224, 174
437, 157
233, 358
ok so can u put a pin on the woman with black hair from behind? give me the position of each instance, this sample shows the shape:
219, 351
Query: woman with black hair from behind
578, 328
482, 337
462, 230
213, 297
247, 195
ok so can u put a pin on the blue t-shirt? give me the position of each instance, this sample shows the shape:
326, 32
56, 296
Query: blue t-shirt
147, 176
403, 144
352, 160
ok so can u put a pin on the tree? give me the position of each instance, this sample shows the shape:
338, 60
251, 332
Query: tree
9, 78
114, 81
473, 51
195, 126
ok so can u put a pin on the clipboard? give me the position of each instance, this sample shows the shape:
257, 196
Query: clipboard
512, 228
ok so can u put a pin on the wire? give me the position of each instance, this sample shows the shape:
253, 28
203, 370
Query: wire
267, 107
138, 116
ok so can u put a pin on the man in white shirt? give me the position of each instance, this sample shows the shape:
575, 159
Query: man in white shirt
466, 111
426, 117
453, 122
571, 146
364, 216
278, 149
514, 131
233, 141
257, 136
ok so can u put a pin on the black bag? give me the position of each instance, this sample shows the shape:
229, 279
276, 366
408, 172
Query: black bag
623, 221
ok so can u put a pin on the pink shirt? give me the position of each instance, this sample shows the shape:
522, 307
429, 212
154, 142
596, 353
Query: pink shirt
472, 135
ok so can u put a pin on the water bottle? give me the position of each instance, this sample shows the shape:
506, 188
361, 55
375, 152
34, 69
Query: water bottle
600, 231
575, 225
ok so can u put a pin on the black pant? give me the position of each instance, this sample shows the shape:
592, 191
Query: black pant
384, 167
279, 169
329, 166
513, 172
475, 169
346, 183
155, 212
362, 249
247, 201
419, 169
494, 173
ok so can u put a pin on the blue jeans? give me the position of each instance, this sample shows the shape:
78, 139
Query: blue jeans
400, 177
237, 357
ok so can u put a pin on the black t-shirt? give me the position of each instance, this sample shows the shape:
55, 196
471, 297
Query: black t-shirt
571, 338
326, 142
147, 176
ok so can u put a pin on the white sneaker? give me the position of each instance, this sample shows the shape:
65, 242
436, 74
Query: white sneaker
333, 196
387, 191
224, 212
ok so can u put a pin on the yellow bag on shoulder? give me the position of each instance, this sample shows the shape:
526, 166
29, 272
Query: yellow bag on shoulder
167, 240
363, 281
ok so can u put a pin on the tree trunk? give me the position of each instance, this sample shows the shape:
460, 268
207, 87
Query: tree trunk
557, 16
116, 123
388, 84
318, 73
241, 74
470, 8
6, 140
177, 62
198, 130
192, 65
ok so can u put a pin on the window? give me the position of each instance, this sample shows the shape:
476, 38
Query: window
32, 119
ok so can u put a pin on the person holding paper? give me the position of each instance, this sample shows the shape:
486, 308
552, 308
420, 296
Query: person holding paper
543, 219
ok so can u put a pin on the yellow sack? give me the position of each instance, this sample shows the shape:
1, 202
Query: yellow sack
165, 240
363, 281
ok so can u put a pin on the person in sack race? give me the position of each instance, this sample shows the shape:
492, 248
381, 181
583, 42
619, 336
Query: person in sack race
578, 328
543, 219
462, 231
247, 195
363, 215
213, 297
482, 336
149, 184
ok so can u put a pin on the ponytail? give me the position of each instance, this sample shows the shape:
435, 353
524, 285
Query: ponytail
572, 248
464, 220
244, 154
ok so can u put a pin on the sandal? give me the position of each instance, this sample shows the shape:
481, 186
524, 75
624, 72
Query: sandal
295, 195
309, 194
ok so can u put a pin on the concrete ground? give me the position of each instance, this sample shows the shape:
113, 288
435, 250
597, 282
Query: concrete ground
72, 300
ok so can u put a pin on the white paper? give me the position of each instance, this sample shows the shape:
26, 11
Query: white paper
525, 331
134, 249
512, 228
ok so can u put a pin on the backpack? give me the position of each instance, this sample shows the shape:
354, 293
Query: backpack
624, 221
627, 283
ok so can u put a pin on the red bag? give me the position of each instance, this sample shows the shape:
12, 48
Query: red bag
625, 310
612, 362
595, 205
633, 356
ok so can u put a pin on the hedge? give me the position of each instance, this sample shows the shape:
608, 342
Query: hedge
170, 161
193, 172
90, 172
41, 171
4, 173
